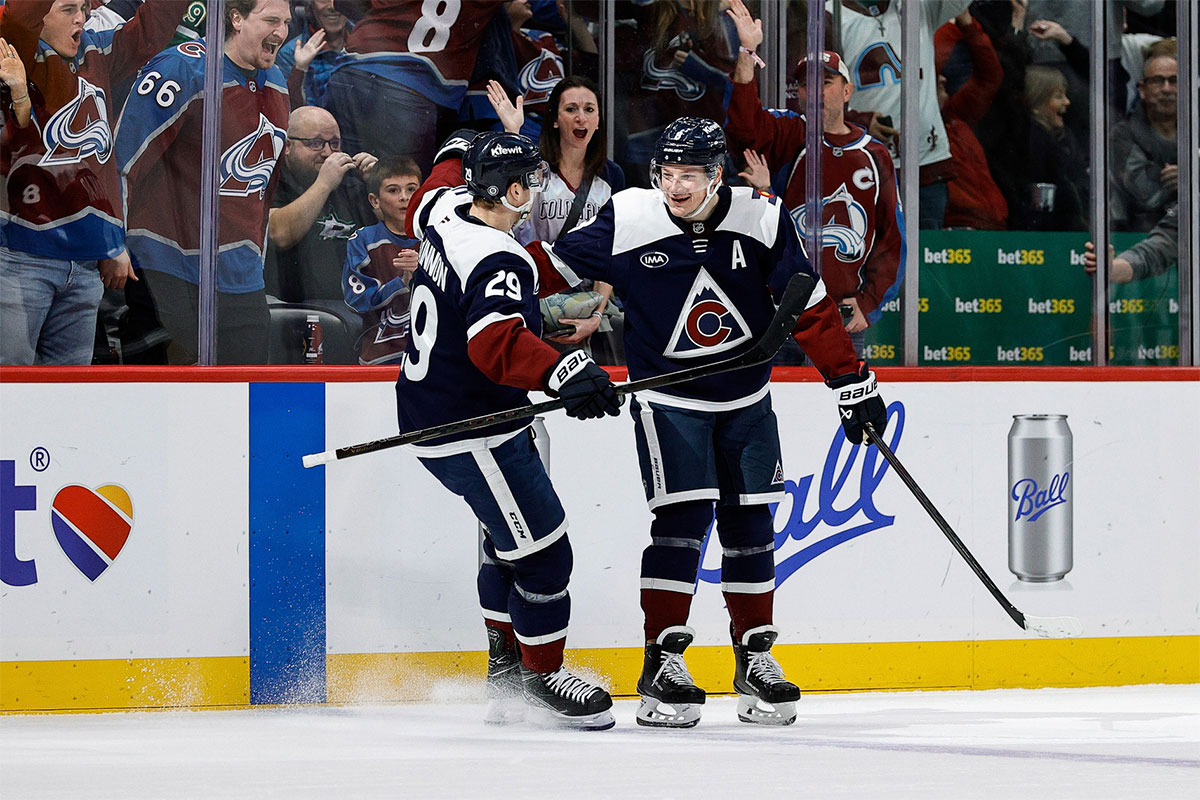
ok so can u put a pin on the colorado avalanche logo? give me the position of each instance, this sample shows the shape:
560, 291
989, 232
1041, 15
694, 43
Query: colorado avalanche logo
660, 79
246, 167
539, 76
845, 228
79, 129
877, 66
709, 322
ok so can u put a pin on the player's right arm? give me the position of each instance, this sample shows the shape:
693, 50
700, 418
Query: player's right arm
503, 348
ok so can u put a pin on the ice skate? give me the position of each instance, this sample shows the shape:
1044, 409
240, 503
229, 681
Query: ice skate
566, 700
670, 698
765, 697
506, 701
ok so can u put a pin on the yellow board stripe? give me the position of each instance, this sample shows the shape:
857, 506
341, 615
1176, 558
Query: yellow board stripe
118, 684
27, 686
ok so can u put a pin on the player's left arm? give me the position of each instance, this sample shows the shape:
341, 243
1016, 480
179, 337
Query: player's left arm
583, 252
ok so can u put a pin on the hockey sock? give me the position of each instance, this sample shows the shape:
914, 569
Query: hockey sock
494, 584
540, 605
506, 631
747, 565
670, 563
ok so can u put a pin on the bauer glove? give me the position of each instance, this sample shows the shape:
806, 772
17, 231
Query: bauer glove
585, 389
859, 403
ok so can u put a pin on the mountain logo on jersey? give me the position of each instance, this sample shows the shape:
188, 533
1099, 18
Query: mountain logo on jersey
661, 79
247, 165
845, 228
79, 129
877, 66
538, 77
709, 322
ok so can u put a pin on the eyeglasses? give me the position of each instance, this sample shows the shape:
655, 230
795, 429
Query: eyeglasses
1157, 81
317, 144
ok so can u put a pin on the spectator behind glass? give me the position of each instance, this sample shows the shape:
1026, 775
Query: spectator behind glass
308, 60
158, 155
862, 239
321, 202
579, 183
675, 62
62, 237
534, 62
380, 260
871, 46
975, 201
405, 60
1056, 172
1144, 149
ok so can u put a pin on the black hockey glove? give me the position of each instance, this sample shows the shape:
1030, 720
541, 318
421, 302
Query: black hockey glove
585, 389
859, 403
455, 146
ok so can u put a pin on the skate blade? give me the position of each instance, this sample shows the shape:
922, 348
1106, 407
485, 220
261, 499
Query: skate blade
657, 714
505, 711
548, 718
757, 711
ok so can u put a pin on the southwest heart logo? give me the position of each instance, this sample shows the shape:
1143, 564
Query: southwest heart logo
92, 525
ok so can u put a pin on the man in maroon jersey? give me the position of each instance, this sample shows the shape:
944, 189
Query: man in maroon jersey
862, 231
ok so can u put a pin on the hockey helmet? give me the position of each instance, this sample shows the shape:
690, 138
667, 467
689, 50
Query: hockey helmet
691, 142
496, 160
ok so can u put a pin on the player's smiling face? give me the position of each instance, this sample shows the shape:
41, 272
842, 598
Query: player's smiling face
256, 38
62, 27
685, 189
578, 117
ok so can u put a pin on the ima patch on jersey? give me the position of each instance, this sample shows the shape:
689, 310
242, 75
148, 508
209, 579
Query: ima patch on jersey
246, 167
79, 129
708, 323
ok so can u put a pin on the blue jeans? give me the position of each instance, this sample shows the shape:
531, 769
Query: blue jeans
382, 117
47, 309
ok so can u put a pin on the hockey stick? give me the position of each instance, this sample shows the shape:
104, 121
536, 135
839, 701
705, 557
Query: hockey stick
1049, 627
791, 306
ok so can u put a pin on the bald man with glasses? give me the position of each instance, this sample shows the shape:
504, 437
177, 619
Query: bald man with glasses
321, 202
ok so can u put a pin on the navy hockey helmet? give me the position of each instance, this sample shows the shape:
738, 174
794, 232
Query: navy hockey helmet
496, 160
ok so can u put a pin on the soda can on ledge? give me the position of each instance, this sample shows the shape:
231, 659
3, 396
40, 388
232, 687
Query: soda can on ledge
1040, 512
314, 341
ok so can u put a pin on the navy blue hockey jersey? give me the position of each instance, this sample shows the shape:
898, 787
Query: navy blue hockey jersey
469, 276
694, 292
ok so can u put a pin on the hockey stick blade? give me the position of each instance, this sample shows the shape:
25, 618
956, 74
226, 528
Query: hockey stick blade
792, 303
1050, 627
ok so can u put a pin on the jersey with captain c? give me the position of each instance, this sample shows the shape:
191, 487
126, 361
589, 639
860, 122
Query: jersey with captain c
695, 292
470, 276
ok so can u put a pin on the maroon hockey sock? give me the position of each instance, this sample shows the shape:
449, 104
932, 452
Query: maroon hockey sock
505, 628
543, 657
747, 611
664, 609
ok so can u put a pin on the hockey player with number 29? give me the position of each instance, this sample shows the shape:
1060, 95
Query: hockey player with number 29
475, 349
696, 263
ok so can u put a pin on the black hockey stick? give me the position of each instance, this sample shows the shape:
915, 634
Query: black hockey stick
791, 306
1050, 627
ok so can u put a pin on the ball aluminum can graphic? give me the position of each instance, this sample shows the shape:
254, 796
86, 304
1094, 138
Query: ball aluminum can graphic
1040, 491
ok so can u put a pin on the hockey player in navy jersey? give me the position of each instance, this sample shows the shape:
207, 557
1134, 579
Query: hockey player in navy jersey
475, 349
697, 263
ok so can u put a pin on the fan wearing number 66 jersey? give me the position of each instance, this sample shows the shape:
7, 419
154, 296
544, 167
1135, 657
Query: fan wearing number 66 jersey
475, 349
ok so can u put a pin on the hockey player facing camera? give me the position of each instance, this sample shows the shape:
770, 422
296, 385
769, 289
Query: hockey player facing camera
696, 263
475, 349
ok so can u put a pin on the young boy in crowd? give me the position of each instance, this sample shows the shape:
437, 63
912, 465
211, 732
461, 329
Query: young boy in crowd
380, 261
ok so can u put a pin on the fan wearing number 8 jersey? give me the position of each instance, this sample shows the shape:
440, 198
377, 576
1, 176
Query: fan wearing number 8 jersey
404, 60
475, 349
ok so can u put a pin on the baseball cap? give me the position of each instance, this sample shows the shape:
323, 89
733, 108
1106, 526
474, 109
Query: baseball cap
832, 63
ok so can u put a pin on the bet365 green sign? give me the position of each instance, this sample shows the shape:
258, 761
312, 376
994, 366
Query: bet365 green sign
1019, 298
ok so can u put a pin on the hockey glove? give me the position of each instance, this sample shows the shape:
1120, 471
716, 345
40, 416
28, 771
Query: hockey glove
455, 146
859, 403
585, 389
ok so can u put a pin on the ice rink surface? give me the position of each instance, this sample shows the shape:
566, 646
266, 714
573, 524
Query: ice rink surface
1127, 742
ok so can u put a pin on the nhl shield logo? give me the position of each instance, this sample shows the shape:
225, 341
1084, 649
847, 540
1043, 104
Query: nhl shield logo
708, 323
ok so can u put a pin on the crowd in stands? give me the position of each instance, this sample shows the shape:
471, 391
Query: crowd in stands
334, 110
